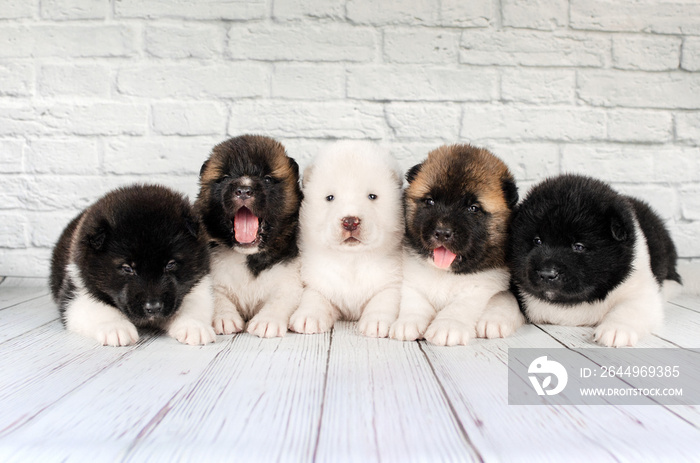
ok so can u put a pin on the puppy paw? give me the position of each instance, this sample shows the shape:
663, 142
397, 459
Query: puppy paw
228, 323
407, 330
374, 327
119, 333
265, 327
307, 323
615, 335
192, 332
498, 325
448, 333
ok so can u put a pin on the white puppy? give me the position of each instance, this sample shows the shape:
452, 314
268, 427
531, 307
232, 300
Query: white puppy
351, 225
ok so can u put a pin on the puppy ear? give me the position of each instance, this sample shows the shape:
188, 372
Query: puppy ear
192, 226
203, 168
98, 235
412, 172
295, 167
307, 175
510, 192
621, 223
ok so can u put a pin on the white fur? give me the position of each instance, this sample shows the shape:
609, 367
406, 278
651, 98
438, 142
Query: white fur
354, 282
449, 309
191, 324
630, 311
266, 300
92, 318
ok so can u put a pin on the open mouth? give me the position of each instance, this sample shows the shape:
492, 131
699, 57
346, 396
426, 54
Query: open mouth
246, 226
443, 257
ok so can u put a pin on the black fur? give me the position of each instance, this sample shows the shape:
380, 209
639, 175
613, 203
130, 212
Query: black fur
563, 213
144, 227
254, 157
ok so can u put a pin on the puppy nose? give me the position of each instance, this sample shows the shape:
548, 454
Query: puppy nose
443, 234
152, 307
243, 192
351, 223
548, 274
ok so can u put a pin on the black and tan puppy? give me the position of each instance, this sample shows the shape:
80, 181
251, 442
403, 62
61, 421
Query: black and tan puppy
583, 254
458, 205
135, 258
249, 202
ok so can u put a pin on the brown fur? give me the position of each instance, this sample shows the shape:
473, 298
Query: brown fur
456, 173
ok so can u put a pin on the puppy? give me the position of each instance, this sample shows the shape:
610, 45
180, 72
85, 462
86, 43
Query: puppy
458, 205
135, 258
351, 225
249, 201
582, 254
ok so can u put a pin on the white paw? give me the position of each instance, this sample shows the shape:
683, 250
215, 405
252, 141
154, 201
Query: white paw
615, 335
310, 323
265, 327
116, 333
192, 332
374, 327
407, 330
498, 326
448, 333
228, 323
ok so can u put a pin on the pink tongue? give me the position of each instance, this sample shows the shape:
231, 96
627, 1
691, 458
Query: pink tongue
442, 257
245, 226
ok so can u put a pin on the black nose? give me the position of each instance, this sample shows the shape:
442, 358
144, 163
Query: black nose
152, 307
548, 274
243, 192
443, 234
351, 223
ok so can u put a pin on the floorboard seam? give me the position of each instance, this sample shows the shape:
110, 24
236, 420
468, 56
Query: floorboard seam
323, 397
460, 426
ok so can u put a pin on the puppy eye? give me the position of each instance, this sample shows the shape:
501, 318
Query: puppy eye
429, 202
170, 266
330, 198
268, 179
474, 208
225, 177
578, 247
126, 268
537, 241
372, 196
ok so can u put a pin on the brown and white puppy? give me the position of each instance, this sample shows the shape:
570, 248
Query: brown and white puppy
457, 206
249, 201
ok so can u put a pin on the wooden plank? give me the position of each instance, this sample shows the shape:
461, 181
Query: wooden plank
382, 402
16, 290
691, 302
259, 400
40, 368
681, 327
475, 380
26, 316
115, 405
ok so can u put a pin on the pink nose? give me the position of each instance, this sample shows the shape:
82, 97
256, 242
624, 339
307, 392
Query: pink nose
351, 223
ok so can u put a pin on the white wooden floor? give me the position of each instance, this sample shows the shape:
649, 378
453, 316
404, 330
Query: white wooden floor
327, 398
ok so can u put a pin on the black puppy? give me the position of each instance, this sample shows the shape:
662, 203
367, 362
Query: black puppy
249, 200
583, 254
136, 257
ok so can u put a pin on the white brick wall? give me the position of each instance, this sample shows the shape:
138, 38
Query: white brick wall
100, 93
